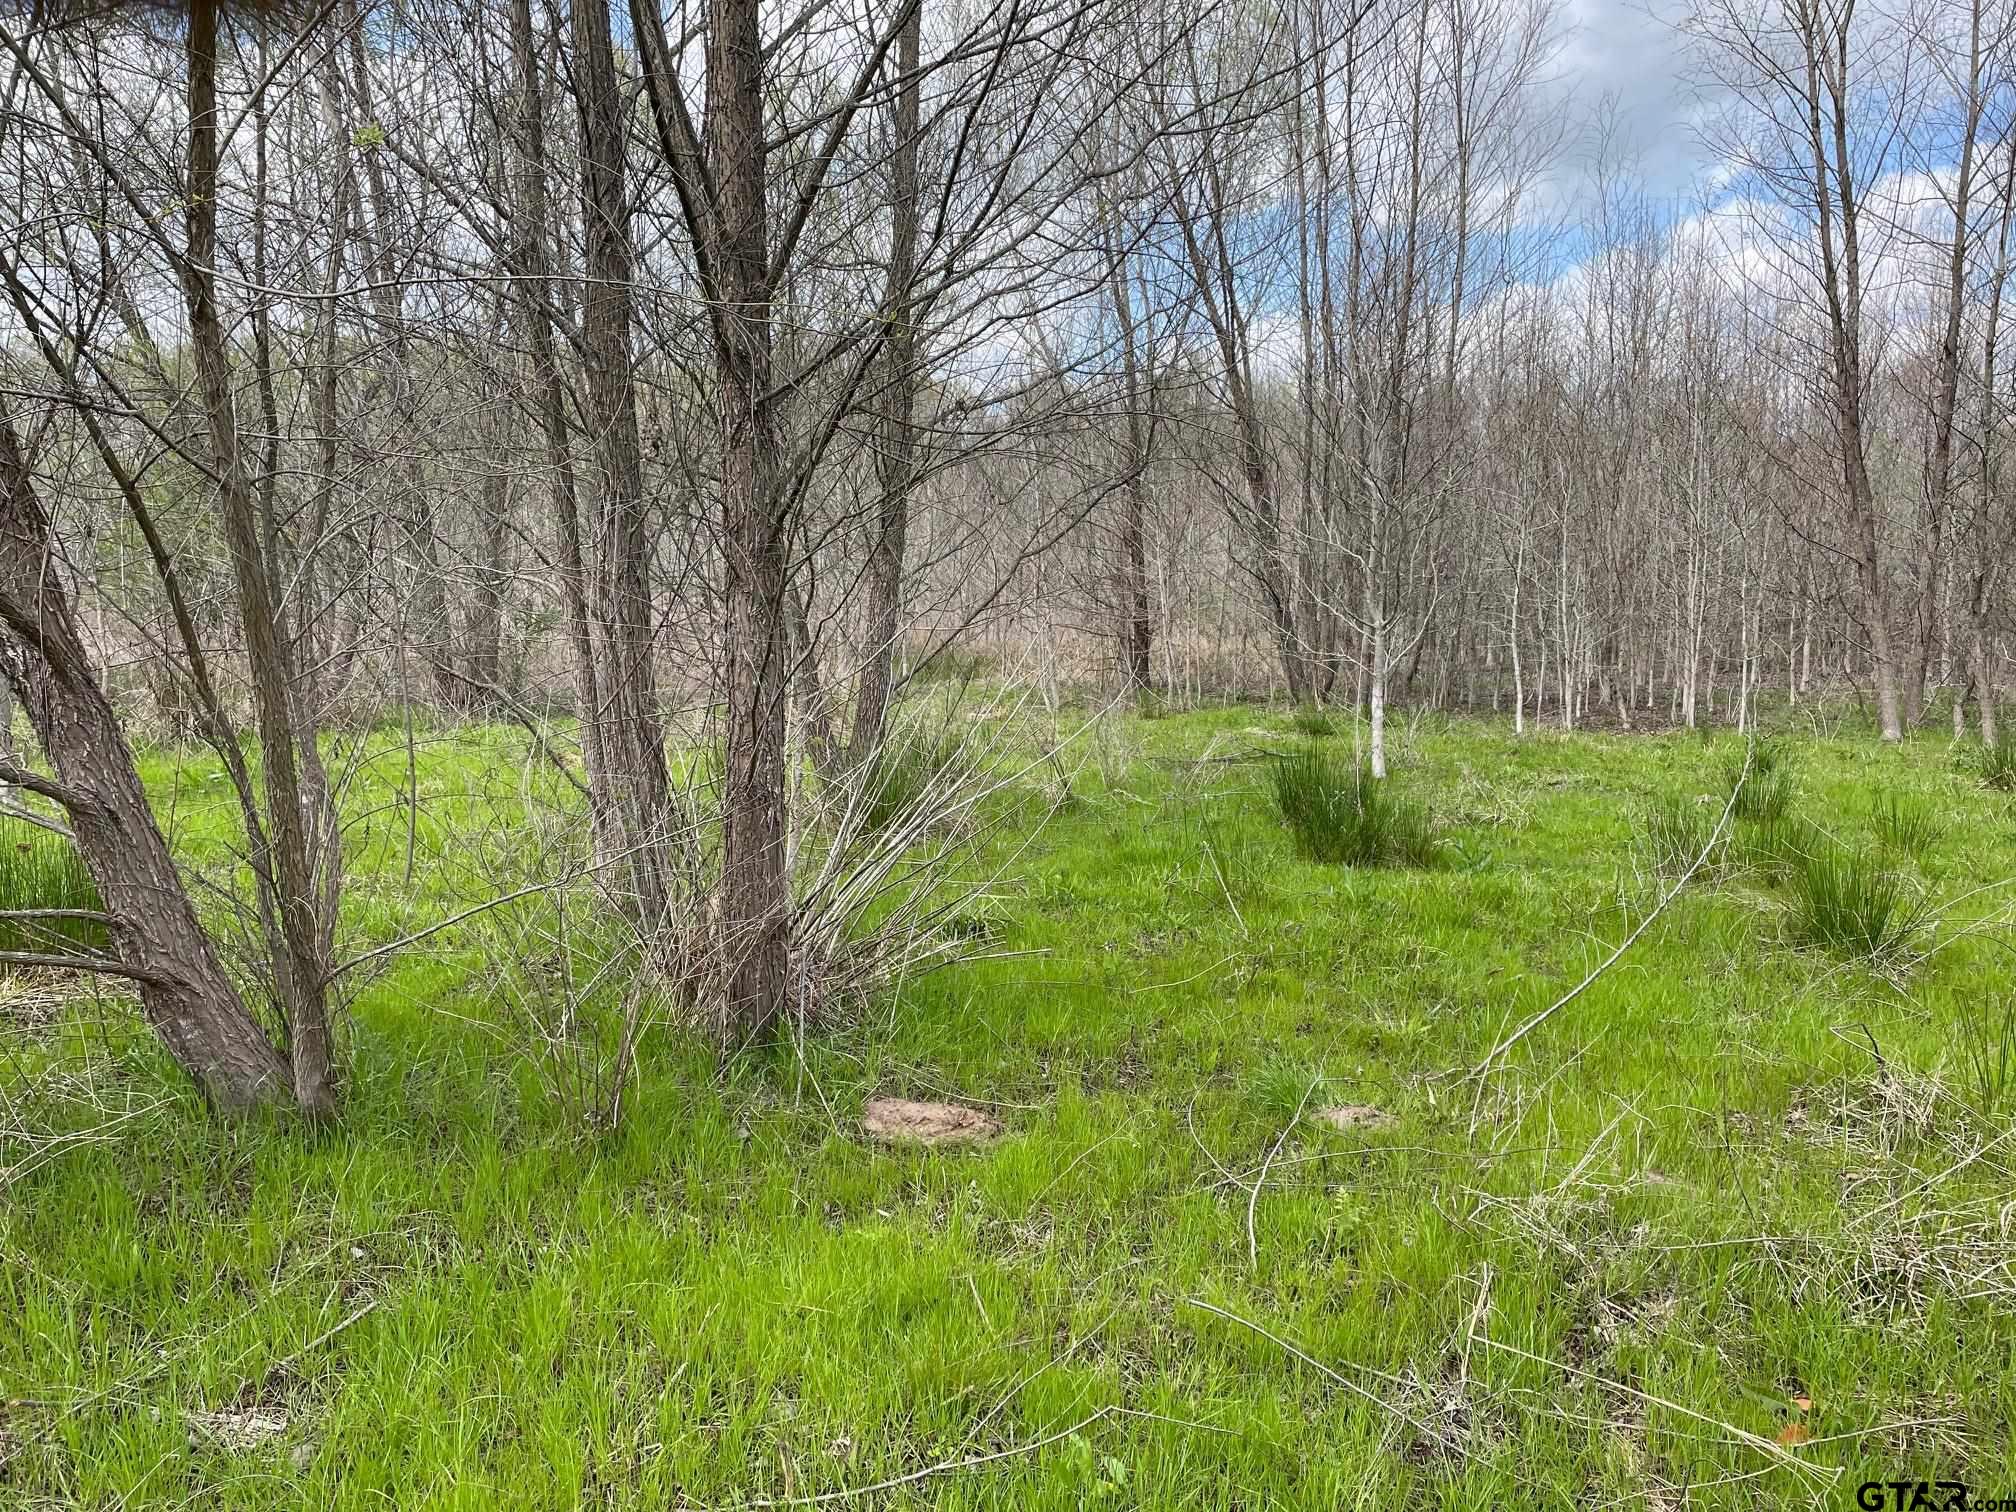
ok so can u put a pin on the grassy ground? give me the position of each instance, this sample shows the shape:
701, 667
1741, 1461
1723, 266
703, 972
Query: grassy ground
1740, 1194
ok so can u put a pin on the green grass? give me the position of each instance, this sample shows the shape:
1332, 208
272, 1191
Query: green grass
1849, 901
1314, 721
1728, 1174
42, 870
1341, 815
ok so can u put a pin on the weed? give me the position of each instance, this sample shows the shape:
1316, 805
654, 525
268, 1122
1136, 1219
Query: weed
1342, 815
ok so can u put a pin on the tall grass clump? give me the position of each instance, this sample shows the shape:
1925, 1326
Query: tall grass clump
952, 664
1988, 1043
1341, 815
1314, 720
47, 873
1907, 826
1998, 765
1847, 901
1766, 796
1673, 834
911, 765
1777, 848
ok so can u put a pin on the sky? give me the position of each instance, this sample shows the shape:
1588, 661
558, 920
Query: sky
1628, 51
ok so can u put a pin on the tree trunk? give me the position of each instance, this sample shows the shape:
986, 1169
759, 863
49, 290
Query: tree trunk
895, 457
298, 965
755, 887
531, 268
155, 934
633, 746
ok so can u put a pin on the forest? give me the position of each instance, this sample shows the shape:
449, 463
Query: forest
1071, 753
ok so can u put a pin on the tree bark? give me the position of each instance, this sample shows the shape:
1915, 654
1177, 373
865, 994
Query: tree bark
184, 993
633, 745
755, 886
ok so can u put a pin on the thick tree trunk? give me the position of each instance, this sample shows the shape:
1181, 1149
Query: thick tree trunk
155, 935
755, 886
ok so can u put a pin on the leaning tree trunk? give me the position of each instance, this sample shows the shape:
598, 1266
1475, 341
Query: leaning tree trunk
155, 935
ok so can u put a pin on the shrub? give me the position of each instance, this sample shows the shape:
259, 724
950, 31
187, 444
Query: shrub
1846, 901
1907, 826
1340, 814
47, 872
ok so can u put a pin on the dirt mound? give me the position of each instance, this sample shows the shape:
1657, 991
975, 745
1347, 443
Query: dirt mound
897, 1120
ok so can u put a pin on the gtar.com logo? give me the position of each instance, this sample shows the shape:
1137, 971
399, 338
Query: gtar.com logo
1926, 1496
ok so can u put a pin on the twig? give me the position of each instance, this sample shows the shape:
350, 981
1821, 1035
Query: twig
29, 816
1483, 1068
1740, 1435
1222, 887
943, 1468
1259, 1181
323, 1338
104, 965
1315, 1364
1185, 981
